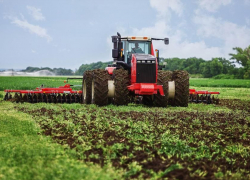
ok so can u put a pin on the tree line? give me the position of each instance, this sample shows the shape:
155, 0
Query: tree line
57, 71
220, 68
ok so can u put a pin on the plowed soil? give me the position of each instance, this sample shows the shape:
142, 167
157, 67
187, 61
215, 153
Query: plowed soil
156, 143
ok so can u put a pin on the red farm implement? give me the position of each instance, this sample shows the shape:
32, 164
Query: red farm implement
203, 96
62, 94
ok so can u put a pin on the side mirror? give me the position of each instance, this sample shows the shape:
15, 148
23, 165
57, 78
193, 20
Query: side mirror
166, 41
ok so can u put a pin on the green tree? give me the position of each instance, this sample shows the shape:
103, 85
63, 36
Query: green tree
215, 67
242, 56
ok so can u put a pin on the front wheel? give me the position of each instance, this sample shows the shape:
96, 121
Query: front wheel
99, 87
181, 79
162, 79
86, 87
121, 82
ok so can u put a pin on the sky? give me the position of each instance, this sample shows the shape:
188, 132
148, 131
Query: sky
69, 33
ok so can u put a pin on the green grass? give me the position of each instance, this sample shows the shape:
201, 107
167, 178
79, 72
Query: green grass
29, 83
207, 82
25, 154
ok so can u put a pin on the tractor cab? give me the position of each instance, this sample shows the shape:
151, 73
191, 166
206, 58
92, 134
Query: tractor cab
135, 45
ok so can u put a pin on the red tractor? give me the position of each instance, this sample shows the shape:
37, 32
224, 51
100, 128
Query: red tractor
135, 72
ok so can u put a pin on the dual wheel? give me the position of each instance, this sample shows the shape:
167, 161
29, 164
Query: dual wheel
179, 90
95, 87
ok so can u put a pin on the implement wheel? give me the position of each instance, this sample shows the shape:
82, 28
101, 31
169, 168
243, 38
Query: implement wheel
86, 87
181, 79
162, 79
99, 90
121, 82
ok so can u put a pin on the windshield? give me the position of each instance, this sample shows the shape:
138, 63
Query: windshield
132, 47
138, 47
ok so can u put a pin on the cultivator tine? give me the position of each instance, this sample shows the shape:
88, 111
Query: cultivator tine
21, 98
59, 98
17, 98
41, 97
215, 100
35, 98
25, 98
197, 98
73, 98
46, 99
63, 98
55, 98
78, 98
68, 97
6, 97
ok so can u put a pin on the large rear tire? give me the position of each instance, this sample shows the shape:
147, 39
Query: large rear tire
86, 87
181, 79
121, 82
162, 79
99, 90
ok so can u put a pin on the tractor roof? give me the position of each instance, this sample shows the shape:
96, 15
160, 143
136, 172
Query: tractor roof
137, 38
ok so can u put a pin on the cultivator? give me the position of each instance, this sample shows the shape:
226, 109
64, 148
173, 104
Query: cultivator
63, 94
203, 97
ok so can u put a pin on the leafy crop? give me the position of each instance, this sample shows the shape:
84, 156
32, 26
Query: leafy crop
157, 142
25, 154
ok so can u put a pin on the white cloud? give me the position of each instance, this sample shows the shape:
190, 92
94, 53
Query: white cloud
213, 5
33, 51
163, 7
231, 34
178, 46
33, 29
35, 13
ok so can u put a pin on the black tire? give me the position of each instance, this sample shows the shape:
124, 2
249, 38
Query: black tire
121, 82
99, 85
181, 79
147, 100
86, 87
162, 79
